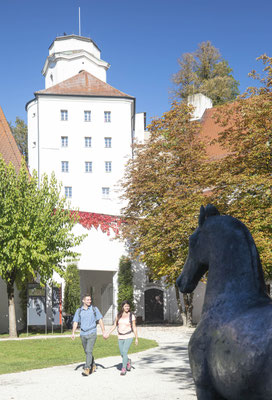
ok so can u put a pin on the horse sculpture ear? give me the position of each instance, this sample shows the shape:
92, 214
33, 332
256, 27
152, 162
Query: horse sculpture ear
201, 217
211, 210
204, 213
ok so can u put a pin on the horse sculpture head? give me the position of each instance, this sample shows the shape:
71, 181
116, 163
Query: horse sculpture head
197, 263
224, 244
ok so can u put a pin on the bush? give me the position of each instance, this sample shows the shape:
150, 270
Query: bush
125, 282
72, 290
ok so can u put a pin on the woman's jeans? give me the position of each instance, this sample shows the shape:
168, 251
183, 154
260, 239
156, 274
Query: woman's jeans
88, 342
124, 345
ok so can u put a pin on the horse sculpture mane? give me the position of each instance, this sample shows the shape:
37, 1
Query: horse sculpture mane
230, 351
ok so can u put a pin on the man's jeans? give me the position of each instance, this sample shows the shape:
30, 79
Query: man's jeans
88, 342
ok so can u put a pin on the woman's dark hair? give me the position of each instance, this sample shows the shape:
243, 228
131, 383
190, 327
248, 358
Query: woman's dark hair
120, 312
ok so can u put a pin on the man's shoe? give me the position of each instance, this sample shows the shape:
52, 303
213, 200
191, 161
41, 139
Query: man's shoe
129, 365
123, 371
86, 372
93, 367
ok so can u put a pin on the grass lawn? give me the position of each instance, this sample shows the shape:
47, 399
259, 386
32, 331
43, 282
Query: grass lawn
22, 355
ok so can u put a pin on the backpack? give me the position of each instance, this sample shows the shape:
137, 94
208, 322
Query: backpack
130, 321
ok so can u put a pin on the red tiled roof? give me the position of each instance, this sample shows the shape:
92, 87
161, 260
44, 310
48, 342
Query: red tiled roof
209, 131
8, 147
84, 84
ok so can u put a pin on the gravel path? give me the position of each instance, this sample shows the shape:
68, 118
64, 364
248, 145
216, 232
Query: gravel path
161, 373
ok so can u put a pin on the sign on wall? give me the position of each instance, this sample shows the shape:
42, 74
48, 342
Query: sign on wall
36, 304
57, 305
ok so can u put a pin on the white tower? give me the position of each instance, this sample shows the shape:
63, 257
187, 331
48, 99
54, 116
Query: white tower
68, 55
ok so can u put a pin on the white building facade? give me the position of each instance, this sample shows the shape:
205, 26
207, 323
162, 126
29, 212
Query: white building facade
82, 129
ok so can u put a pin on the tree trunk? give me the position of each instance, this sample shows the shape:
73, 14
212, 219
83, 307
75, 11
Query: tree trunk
188, 304
11, 309
180, 308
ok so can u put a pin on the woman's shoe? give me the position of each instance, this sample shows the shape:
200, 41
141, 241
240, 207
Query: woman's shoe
123, 371
129, 365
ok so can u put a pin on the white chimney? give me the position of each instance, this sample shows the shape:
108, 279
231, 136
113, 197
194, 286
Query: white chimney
200, 102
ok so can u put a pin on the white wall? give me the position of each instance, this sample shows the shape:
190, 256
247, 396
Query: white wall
65, 67
171, 312
68, 43
141, 135
201, 103
87, 187
98, 250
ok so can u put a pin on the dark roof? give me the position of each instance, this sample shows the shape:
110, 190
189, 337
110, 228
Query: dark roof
8, 147
84, 84
209, 131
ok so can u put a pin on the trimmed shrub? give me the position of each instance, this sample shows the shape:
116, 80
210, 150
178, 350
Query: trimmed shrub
125, 282
72, 289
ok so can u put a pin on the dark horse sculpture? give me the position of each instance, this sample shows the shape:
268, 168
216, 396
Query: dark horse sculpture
230, 351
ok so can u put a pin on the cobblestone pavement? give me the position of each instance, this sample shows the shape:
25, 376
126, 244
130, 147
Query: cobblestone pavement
161, 373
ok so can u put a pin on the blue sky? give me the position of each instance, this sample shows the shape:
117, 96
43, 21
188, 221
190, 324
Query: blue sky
142, 41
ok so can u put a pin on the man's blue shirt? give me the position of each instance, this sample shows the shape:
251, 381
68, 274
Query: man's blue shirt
87, 319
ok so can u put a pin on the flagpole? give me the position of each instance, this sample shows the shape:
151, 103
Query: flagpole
79, 26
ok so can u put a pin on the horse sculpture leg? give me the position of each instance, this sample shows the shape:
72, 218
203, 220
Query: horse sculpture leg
206, 393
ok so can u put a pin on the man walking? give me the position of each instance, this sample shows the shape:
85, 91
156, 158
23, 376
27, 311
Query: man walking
87, 316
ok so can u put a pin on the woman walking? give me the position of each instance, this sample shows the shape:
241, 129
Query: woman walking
126, 329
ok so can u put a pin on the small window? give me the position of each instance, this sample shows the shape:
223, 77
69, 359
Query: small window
107, 116
64, 166
64, 141
88, 166
64, 115
105, 192
108, 166
107, 142
87, 116
88, 141
68, 191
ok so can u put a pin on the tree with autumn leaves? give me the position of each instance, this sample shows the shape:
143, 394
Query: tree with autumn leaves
242, 181
205, 71
163, 185
165, 180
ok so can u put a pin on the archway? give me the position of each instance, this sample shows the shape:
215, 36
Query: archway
154, 305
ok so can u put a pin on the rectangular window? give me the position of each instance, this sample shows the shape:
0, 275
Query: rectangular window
108, 166
68, 191
107, 116
64, 141
65, 166
88, 166
105, 192
88, 141
64, 115
107, 142
87, 116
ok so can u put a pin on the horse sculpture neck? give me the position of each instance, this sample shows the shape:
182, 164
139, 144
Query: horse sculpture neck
235, 278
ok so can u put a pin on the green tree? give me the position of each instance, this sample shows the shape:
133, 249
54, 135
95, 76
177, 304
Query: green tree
163, 186
35, 231
205, 71
242, 179
19, 132
125, 282
72, 289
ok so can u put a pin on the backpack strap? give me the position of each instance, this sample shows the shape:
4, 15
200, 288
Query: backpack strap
94, 311
79, 313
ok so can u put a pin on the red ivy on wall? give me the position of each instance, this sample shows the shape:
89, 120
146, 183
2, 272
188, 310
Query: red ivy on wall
103, 221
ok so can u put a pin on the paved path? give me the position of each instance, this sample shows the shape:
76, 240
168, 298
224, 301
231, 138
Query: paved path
158, 374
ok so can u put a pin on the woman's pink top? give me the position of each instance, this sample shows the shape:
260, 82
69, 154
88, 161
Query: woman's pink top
124, 327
